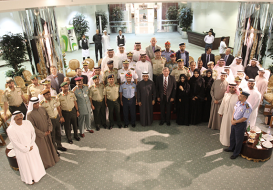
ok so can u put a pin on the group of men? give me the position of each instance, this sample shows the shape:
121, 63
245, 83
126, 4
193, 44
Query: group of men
140, 77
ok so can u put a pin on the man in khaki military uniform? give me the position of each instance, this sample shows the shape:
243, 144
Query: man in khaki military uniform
70, 111
158, 64
110, 71
122, 72
35, 88
172, 63
181, 69
47, 85
13, 99
132, 63
53, 109
111, 97
97, 102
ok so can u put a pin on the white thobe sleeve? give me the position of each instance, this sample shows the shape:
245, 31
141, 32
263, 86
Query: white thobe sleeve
222, 106
257, 100
33, 134
16, 144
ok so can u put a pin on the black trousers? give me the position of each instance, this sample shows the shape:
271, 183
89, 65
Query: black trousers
114, 106
56, 132
129, 106
165, 104
237, 137
84, 58
21, 108
98, 47
99, 112
70, 118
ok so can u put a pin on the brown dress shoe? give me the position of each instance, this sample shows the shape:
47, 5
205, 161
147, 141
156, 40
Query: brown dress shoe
91, 131
82, 135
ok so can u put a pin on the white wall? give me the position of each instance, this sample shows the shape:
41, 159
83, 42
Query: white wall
10, 22
104, 8
221, 16
64, 15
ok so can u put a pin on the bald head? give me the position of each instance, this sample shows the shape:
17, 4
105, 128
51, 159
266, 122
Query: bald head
153, 41
228, 51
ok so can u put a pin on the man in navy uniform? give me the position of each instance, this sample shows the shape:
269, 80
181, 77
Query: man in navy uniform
241, 113
167, 52
127, 92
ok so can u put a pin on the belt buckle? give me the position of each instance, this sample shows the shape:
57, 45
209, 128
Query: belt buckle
69, 110
100, 100
129, 98
114, 100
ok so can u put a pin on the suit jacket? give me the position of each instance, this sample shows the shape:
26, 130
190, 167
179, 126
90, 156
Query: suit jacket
178, 56
204, 59
73, 82
150, 52
229, 60
54, 84
171, 88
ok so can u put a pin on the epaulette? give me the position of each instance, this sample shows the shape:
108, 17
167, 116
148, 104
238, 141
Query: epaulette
85, 85
75, 88
132, 69
186, 68
172, 51
53, 96
247, 106
42, 102
163, 50
59, 95
71, 90
105, 71
175, 68
163, 57
116, 69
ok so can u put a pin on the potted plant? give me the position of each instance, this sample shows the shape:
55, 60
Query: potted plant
104, 20
185, 17
116, 15
14, 52
80, 26
171, 14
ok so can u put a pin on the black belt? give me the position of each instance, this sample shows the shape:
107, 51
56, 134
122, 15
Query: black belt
128, 98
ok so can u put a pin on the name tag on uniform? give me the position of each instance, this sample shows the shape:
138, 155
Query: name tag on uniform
122, 73
133, 87
85, 95
20, 93
94, 90
124, 88
79, 93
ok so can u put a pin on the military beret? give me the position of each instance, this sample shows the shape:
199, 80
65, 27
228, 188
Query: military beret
167, 43
129, 74
46, 81
157, 50
33, 77
64, 83
110, 76
181, 44
45, 91
95, 77
173, 55
180, 60
125, 61
78, 78
129, 54
245, 93
250, 80
110, 62
9, 79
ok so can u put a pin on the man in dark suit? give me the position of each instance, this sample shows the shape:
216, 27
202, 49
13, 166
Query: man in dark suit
183, 54
228, 57
79, 74
165, 91
207, 57
56, 79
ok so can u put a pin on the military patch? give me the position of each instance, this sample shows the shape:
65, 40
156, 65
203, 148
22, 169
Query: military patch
247, 106
42, 102
174, 68
132, 69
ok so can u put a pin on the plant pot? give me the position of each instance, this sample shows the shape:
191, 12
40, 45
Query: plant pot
170, 27
179, 30
114, 29
184, 35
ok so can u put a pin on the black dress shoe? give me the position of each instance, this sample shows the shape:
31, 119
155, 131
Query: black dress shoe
77, 138
110, 127
105, 126
97, 128
227, 150
58, 154
233, 157
70, 141
161, 122
125, 126
120, 126
168, 123
62, 148
134, 125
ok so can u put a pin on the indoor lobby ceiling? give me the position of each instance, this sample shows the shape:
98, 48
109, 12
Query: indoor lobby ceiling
12, 5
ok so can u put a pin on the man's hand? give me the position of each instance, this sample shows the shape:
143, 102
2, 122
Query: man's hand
172, 99
46, 133
5, 117
93, 107
158, 99
206, 99
31, 148
153, 102
136, 102
221, 115
62, 120
216, 102
233, 122
139, 103
121, 103
196, 97
193, 99
247, 77
181, 88
179, 100
78, 113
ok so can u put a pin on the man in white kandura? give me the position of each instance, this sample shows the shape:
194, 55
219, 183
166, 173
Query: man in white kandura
225, 111
261, 82
236, 65
22, 136
110, 56
254, 99
105, 42
144, 65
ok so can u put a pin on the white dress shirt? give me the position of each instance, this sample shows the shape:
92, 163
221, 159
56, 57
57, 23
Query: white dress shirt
164, 80
222, 48
209, 39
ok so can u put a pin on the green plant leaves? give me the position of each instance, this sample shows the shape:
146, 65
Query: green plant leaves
185, 17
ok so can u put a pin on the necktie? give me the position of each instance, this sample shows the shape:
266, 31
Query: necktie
165, 86
207, 58
226, 58
153, 48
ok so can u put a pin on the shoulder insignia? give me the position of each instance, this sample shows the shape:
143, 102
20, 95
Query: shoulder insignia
175, 68
163, 57
132, 69
42, 102
247, 106
105, 71
163, 50
71, 91
75, 88
172, 51
59, 95
115, 69
186, 68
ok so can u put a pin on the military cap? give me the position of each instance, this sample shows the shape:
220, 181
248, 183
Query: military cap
96, 67
78, 78
110, 62
129, 54
64, 83
180, 60
157, 50
173, 55
110, 76
45, 91
181, 44
125, 61
95, 77
237, 79
33, 77
245, 93
85, 63
46, 81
